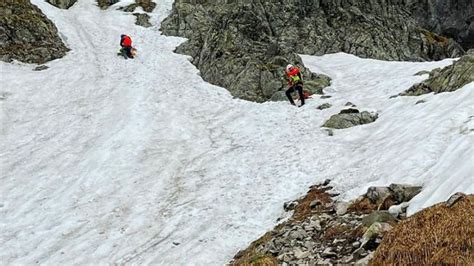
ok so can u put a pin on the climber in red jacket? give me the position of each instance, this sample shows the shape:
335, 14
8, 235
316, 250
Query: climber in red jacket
127, 50
295, 83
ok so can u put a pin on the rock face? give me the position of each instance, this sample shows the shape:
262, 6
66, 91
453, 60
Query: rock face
349, 118
447, 79
143, 20
64, 4
104, 4
450, 18
244, 45
27, 35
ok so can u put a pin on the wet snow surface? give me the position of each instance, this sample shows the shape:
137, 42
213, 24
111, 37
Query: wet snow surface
106, 160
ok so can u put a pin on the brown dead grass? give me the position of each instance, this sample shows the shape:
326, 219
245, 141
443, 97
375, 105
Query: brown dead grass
335, 232
362, 206
303, 209
435, 236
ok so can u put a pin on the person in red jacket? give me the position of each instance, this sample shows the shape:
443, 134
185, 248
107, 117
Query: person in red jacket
295, 83
126, 44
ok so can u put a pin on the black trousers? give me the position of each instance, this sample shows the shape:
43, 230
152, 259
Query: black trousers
127, 51
299, 89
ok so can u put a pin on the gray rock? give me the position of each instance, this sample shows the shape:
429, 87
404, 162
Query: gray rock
299, 234
27, 35
315, 203
40, 68
330, 132
290, 205
377, 216
455, 198
346, 120
341, 208
328, 253
356, 244
326, 96
376, 230
420, 101
142, 20
64, 4
324, 106
450, 78
104, 4
403, 193
397, 210
299, 254
451, 18
365, 261
423, 72
376, 194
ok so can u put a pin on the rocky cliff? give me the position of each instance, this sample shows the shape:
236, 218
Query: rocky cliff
243, 45
27, 35
448, 79
451, 18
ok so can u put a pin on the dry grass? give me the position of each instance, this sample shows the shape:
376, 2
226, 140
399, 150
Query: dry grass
251, 257
304, 210
362, 206
435, 236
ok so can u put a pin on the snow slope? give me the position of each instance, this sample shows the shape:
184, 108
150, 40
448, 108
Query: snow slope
105, 160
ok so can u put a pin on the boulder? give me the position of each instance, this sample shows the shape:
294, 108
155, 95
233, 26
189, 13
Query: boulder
64, 4
448, 79
349, 118
27, 35
142, 20
403, 193
378, 217
324, 106
104, 4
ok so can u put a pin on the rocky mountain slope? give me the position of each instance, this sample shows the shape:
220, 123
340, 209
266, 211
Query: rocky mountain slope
447, 79
243, 45
27, 35
452, 18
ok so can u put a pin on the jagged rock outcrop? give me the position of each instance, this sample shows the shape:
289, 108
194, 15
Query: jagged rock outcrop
349, 118
450, 18
244, 45
450, 78
27, 35
146, 5
143, 20
64, 4
104, 4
